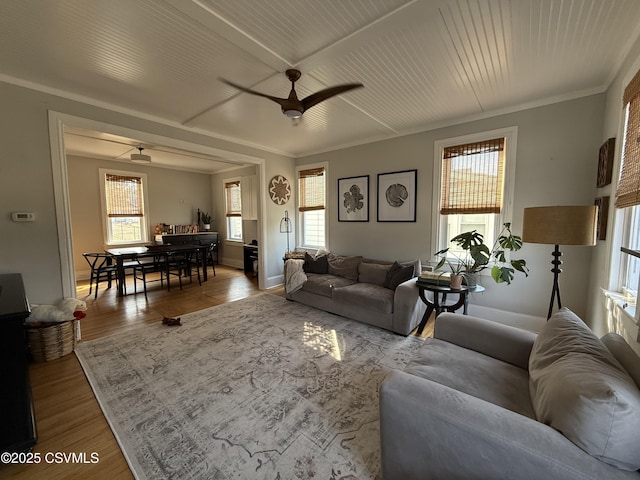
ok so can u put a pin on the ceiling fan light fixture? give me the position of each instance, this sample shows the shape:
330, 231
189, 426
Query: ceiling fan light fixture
293, 113
140, 157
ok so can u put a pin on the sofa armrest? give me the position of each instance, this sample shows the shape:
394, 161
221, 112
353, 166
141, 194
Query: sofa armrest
407, 307
503, 342
428, 430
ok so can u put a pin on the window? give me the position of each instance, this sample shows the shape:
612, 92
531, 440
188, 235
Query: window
233, 202
630, 268
473, 185
628, 191
124, 206
311, 206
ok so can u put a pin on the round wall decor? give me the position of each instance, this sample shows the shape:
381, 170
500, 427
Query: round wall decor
279, 190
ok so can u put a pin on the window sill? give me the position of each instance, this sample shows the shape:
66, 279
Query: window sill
234, 242
617, 300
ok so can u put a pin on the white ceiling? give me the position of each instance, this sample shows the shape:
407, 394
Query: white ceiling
424, 63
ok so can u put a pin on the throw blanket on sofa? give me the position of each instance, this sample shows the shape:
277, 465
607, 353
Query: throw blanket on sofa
294, 275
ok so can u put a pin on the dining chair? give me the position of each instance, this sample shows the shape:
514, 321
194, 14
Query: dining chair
143, 266
102, 269
181, 264
209, 255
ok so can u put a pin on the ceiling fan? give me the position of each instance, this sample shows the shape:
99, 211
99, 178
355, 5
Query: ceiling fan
291, 106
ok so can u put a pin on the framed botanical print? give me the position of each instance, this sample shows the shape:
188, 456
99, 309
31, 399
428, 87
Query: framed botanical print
397, 196
353, 199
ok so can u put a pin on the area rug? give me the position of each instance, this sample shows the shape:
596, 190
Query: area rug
260, 388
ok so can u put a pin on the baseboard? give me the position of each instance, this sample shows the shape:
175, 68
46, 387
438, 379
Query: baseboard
275, 281
232, 262
520, 320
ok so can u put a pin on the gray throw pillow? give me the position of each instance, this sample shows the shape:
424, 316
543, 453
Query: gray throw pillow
581, 390
398, 274
344, 266
315, 264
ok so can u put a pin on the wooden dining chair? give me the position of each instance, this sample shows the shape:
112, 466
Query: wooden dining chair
209, 255
143, 266
102, 269
182, 264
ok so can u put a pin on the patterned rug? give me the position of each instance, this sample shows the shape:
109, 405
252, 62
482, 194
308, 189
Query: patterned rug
260, 388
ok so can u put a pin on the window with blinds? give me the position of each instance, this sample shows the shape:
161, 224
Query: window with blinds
628, 193
233, 209
124, 196
473, 178
473, 185
124, 207
312, 206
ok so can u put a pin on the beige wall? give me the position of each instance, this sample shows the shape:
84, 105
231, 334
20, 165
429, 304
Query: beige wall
174, 197
557, 150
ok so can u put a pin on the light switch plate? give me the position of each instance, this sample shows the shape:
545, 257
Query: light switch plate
23, 216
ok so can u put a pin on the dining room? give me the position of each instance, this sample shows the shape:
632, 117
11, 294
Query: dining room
170, 196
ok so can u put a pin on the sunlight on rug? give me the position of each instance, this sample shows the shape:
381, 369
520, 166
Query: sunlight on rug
260, 388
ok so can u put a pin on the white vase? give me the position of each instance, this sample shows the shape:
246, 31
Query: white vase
207, 226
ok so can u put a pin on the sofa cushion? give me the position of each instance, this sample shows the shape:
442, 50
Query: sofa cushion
373, 273
367, 296
317, 264
344, 266
475, 374
323, 284
398, 274
580, 389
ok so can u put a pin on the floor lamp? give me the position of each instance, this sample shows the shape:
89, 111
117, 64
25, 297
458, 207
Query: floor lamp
285, 227
565, 225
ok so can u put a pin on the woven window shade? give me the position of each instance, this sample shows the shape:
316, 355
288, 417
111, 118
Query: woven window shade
233, 198
311, 189
628, 192
124, 196
473, 178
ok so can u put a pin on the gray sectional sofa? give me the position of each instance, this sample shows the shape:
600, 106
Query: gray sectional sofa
376, 292
484, 400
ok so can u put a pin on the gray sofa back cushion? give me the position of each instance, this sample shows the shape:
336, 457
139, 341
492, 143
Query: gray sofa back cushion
344, 266
372, 273
624, 354
579, 388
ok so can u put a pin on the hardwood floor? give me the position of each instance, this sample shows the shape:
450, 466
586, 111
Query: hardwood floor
68, 416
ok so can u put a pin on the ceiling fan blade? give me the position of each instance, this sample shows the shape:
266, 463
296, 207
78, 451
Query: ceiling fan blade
279, 101
327, 93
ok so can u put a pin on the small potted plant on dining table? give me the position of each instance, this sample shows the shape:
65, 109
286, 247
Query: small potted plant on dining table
478, 256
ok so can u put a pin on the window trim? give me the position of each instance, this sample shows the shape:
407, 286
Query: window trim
299, 222
226, 181
102, 172
438, 221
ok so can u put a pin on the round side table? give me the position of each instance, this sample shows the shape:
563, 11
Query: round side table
439, 305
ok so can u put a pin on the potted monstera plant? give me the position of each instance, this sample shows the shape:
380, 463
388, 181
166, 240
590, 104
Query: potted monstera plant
478, 256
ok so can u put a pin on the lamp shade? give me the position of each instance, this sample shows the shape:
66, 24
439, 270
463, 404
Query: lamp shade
560, 225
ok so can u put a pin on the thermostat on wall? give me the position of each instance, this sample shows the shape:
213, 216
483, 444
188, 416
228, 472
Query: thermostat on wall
23, 216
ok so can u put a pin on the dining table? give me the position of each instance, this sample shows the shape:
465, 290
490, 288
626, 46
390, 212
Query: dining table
124, 254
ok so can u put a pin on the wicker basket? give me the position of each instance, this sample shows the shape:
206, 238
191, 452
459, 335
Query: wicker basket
51, 340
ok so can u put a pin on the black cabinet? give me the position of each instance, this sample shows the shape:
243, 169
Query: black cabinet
250, 255
17, 421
